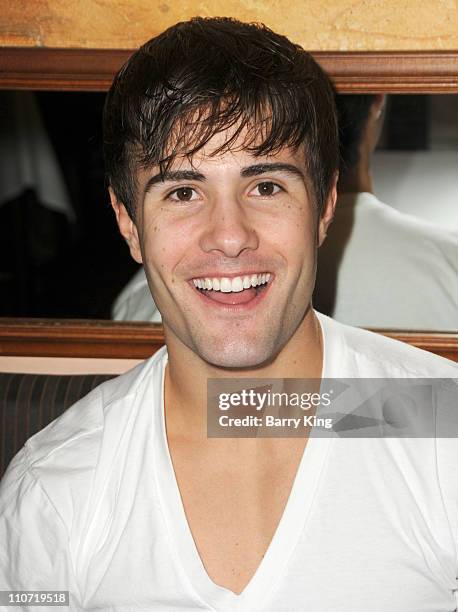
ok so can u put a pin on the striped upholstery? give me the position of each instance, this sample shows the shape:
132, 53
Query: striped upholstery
28, 402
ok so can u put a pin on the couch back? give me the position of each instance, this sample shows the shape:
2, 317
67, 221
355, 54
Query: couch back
29, 402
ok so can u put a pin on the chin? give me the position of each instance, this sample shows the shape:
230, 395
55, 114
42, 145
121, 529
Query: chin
237, 355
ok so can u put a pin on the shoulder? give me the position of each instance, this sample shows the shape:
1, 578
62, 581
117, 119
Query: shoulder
62, 458
91, 414
354, 352
368, 205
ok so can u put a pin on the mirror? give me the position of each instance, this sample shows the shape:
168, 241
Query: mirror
62, 256
390, 260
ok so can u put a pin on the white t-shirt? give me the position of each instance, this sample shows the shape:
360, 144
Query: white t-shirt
382, 268
135, 303
91, 504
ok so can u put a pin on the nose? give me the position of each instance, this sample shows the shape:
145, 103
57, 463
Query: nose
228, 230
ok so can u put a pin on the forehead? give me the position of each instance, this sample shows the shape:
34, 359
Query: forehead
229, 148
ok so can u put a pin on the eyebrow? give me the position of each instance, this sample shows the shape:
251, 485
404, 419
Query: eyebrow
257, 169
177, 175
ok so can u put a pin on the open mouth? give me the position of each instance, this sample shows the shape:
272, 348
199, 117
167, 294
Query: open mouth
235, 290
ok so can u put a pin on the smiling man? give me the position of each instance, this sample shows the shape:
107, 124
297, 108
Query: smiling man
221, 153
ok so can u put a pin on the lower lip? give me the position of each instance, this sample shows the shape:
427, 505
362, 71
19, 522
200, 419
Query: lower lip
234, 308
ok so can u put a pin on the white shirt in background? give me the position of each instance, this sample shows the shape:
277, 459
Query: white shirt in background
135, 303
381, 268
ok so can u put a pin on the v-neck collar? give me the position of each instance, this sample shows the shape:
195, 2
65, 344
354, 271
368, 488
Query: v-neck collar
285, 538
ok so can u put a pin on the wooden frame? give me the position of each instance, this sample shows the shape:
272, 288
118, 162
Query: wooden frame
353, 71
79, 338
112, 339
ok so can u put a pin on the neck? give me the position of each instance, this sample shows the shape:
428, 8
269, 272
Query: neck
187, 374
358, 180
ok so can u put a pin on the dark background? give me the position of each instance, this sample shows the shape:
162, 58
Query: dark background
48, 266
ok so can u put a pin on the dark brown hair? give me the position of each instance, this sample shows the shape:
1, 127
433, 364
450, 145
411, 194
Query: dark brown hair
199, 78
353, 113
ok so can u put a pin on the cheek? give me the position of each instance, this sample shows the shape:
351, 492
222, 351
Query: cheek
165, 245
295, 234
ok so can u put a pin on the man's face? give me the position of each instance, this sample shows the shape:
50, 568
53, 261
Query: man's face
229, 248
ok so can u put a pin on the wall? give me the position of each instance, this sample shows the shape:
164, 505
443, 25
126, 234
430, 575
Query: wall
316, 24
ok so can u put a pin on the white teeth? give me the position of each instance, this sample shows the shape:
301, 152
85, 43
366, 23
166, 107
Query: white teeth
225, 285
234, 285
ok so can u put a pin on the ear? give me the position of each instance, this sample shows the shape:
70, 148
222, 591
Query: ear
126, 226
327, 214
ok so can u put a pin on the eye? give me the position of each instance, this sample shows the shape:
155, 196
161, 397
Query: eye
183, 194
266, 189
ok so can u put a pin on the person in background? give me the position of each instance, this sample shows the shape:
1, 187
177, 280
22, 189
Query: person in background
381, 268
